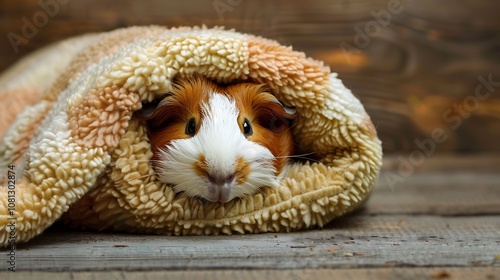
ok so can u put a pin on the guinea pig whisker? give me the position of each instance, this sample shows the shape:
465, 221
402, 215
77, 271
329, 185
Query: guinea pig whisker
146, 175
293, 124
263, 184
296, 156
261, 181
305, 158
186, 156
176, 169
187, 184
259, 189
255, 187
141, 177
182, 195
147, 160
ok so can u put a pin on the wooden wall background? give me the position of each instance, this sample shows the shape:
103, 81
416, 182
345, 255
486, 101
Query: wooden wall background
412, 71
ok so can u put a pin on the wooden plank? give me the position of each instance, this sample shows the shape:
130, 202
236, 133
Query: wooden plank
351, 242
437, 194
444, 164
295, 274
438, 186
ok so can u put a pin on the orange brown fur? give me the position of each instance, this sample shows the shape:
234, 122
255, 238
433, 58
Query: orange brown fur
261, 109
242, 170
268, 118
183, 104
201, 167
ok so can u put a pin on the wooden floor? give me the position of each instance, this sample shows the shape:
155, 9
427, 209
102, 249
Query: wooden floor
442, 222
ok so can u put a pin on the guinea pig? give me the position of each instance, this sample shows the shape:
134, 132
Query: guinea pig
219, 142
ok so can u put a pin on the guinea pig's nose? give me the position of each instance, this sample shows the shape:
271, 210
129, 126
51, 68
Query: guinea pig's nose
221, 179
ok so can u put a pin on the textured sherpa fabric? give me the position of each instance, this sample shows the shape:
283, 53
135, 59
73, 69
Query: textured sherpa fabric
78, 154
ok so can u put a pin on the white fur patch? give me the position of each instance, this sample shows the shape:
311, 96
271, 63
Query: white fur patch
221, 141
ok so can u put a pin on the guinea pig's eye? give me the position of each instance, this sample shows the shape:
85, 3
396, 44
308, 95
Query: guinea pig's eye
247, 128
191, 127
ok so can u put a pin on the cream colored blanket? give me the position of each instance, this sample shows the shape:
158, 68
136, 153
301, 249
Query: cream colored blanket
72, 149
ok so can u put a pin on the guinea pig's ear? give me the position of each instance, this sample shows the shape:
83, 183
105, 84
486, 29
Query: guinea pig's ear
272, 114
149, 109
289, 112
278, 108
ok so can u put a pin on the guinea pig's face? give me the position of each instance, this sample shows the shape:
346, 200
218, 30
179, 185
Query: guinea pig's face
219, 143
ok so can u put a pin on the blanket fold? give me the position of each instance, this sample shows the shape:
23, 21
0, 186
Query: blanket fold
73, 149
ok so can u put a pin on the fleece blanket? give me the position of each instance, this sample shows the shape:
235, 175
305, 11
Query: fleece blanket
73, 150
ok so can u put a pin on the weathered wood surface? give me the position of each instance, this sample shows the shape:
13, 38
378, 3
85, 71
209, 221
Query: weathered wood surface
413, 69
447, 186
356, 241
394, 273
442, 221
